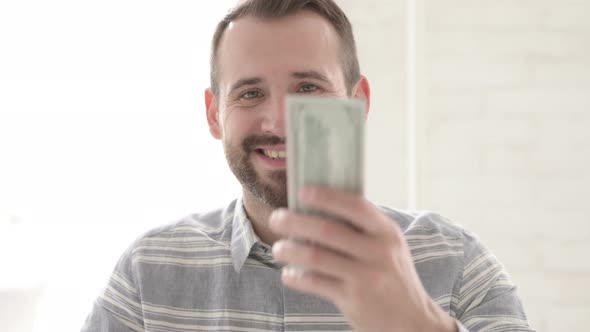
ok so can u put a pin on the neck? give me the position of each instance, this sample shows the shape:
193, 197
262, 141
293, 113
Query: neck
258, 213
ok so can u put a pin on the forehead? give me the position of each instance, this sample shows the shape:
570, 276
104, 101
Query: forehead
253, 46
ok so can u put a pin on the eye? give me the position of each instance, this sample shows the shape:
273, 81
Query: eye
251, 94
308, 88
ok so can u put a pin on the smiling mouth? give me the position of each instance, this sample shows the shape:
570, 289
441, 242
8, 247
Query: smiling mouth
273, 154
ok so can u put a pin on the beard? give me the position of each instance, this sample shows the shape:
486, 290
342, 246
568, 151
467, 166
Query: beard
272, 191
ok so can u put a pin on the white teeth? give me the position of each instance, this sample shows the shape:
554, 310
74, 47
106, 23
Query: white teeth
275, 154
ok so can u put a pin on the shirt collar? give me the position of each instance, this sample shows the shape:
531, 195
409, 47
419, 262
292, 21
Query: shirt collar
243, 237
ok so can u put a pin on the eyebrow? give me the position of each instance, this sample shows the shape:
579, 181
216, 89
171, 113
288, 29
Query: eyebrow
298, 75
311, 74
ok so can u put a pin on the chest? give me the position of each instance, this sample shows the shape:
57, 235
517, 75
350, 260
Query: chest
217, 298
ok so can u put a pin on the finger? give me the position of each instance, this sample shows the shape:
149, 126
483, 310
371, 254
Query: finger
313, 283
315, 258
349, 206
326, 232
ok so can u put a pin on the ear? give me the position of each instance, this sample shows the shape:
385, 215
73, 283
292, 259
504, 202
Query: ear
212, 114
362, 90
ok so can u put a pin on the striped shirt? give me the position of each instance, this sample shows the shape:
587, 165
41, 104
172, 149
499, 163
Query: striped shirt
210, 272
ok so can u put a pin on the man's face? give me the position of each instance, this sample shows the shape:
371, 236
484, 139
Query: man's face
261, 61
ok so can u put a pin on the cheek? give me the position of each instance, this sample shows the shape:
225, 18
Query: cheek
237, 125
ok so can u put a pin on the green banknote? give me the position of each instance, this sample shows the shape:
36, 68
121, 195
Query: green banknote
325, 145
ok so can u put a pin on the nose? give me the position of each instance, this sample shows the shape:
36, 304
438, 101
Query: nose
273, 122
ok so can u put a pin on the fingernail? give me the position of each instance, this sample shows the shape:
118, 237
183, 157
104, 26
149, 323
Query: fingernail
289, 272
292, 272
278, 247
276, 217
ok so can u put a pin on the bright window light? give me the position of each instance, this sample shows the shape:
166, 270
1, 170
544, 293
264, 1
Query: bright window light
102, 137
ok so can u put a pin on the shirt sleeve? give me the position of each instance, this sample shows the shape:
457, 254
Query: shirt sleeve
487, 298
118, 308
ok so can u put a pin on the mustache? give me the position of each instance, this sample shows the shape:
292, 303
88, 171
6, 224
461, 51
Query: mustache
249, 144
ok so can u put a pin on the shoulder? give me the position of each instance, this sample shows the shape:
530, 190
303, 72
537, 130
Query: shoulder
195, 229
420, 227
418, 221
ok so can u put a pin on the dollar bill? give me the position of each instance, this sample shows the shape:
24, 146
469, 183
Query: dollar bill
325, 145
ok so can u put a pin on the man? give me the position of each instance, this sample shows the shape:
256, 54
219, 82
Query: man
225, 270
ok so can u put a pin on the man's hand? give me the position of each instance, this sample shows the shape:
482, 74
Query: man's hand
366, 270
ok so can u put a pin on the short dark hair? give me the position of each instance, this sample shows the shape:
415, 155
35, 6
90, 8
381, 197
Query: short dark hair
280, 8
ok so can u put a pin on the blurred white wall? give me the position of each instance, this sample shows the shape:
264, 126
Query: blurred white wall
379, 27
103, 135
504, 145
